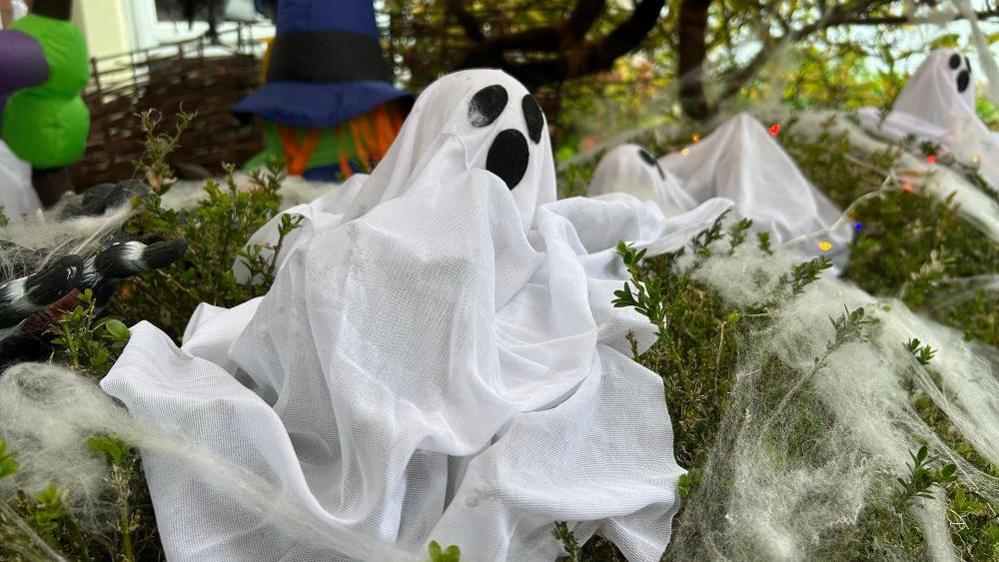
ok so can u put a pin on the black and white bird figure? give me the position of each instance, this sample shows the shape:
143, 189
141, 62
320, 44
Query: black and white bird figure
38, 285
31, 293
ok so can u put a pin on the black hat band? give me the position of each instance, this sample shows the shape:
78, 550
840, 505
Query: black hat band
326, 57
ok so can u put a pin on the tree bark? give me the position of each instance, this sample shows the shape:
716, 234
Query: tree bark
693, 51
561, 51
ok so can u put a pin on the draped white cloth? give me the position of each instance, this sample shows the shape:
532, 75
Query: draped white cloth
631, 169
17, 195
438, 359
742, 162
938, 105
938, 98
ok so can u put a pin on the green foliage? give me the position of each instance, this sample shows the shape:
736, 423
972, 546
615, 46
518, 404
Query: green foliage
123, 480
763, 239
909, 244
569, 542
922, 353
8, 462
698, 338
737, 233
804, 274
86, 343
47, 512
118, 452
922, 476
216, 231
153, 166
647, 295
450, 554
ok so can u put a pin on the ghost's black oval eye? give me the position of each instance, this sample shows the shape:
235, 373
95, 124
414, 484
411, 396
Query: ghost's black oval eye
967, 64
487, 104
508, 157
955, 61
963, 80
533, 116
651, 161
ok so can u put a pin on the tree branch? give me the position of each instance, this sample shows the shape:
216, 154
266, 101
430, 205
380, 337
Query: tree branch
583, 18
901, 20
569, 54
693, 51
466, 20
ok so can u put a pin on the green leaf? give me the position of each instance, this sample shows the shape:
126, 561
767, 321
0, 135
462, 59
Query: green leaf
450, 554
948, 40
8, 463
117, 329
117, 451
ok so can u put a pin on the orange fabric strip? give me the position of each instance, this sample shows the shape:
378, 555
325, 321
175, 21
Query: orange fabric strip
298, 154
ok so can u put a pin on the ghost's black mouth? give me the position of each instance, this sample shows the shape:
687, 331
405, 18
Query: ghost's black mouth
508, 157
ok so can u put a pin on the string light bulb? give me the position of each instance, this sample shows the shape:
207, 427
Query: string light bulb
774, 129
825, 245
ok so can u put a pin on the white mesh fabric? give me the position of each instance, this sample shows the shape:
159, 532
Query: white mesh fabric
444, 364
631, 169
931, 104
742, 162
17, 195
931, 107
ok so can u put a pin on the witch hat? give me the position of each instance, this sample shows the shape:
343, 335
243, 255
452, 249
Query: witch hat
326, 66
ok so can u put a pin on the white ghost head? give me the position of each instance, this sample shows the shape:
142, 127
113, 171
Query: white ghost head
941, 91
632, 169
471, 119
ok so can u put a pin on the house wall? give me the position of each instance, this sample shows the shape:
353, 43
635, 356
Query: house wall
105, 24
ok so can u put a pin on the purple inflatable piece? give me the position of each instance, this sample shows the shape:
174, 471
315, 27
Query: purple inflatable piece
22, 61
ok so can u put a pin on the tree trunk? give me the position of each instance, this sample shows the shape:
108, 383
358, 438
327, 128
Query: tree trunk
692, 54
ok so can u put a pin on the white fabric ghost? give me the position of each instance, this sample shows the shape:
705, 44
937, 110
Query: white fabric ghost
632, 169
742, 162
938, 105
438, 362
938, 98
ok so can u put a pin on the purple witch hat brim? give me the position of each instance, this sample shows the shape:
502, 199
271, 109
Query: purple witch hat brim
311, 105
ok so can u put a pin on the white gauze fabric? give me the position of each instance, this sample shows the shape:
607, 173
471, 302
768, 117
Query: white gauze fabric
938, 105
17, 195
439, 365
742, 162
632, 169
937, 98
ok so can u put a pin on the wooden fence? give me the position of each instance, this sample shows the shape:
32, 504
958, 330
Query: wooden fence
194, 75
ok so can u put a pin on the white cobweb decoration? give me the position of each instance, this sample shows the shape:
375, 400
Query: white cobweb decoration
821, 422
47, 414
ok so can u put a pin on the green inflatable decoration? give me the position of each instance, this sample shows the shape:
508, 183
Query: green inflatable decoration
47, 125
